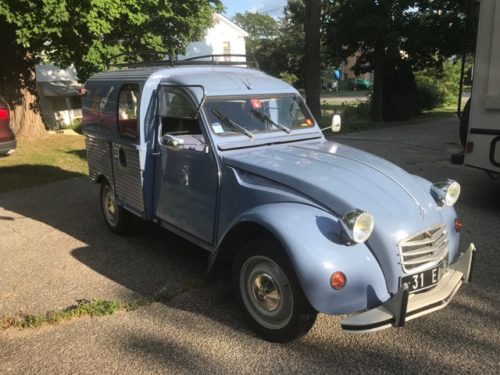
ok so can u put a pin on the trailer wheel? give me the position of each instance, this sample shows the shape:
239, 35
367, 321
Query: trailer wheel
464, 123
116, 217
270, 294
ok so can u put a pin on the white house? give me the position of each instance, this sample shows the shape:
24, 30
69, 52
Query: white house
58, 88
223, 38
58, 94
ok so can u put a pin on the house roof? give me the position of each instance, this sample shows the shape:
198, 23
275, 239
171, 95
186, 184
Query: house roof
231, 24
59, 88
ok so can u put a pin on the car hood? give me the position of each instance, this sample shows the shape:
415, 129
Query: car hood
341, 178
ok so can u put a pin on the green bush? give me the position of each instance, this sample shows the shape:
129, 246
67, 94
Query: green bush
355, 116
428, 97
355, 112
445, 79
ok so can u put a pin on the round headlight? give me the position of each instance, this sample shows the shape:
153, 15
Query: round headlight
446, 192
452, 194
358, 225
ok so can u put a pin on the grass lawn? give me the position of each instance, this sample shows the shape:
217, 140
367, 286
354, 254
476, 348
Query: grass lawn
52, 158
345, 93
448, 110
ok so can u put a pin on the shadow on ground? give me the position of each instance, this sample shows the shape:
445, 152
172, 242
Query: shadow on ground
16, 177
82, 154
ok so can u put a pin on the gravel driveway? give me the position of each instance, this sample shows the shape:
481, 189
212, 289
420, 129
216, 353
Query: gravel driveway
55, 250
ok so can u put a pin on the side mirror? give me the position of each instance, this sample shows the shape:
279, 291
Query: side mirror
336, 123
172, 140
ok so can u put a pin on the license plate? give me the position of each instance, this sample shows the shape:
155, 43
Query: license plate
423, 280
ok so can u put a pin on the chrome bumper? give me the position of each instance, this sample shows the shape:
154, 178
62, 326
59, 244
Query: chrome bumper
403, 306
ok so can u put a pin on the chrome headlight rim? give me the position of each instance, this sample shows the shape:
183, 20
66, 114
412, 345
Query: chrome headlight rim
446, 193
358, 226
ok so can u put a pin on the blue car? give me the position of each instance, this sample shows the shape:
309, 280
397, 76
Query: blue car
231, 159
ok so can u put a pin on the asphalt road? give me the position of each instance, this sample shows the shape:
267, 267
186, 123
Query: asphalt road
55, 250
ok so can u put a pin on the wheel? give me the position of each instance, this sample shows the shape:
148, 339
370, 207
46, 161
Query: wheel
270, 294
464, 123
116, 217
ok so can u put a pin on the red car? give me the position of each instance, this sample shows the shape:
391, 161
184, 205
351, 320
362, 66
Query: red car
7, 138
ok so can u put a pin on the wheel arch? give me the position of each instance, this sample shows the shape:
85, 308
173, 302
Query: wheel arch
310, 238
233, 241
101, 178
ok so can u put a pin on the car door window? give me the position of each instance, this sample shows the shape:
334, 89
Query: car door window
178, 117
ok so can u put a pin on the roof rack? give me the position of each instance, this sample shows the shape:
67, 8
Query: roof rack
166, 59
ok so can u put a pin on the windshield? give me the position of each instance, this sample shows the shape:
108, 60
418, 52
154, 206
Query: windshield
252, 115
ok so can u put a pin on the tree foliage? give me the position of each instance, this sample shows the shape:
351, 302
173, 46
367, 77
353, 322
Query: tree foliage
87, 33
258, 25
277, 46
416, 33
264, 33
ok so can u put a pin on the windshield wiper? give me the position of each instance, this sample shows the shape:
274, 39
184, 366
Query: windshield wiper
227, 121
263, 117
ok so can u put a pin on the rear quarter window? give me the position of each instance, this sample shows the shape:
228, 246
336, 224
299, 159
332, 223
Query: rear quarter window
128, 110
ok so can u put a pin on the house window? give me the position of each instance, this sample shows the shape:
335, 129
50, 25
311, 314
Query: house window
128, 109
227, 50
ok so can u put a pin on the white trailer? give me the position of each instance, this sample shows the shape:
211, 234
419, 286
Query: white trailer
482, 148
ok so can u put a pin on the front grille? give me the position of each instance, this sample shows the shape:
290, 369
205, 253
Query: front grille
424, 250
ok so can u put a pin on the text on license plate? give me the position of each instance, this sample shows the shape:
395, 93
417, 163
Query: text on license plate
422, 280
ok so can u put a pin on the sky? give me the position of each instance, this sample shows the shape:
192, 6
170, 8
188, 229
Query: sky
272, 7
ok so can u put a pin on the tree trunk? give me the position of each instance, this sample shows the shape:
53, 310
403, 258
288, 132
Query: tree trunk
18, 86
312, 64
27, 121
377, 109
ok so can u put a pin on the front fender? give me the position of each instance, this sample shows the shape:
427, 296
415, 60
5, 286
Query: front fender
311, 239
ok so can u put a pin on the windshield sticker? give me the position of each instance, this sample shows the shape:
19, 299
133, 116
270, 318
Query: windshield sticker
217, 128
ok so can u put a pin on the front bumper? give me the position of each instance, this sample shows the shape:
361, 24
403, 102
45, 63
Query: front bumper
403, 306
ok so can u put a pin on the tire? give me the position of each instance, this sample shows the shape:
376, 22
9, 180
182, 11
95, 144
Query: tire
115, 216
270, 294
464, 123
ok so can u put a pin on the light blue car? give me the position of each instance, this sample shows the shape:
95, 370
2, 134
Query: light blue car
231, 159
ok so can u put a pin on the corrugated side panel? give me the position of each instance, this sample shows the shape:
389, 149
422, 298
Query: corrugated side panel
128, 182
99, 158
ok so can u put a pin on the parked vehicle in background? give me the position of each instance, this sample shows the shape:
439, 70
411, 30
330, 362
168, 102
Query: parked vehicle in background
480, 120
7, 138
231, 159
362, 84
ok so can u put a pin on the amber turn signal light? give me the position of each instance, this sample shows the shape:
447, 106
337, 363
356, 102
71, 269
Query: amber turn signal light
458, 225
337, 280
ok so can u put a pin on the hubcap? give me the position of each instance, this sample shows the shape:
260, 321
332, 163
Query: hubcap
266, 292
109, 206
